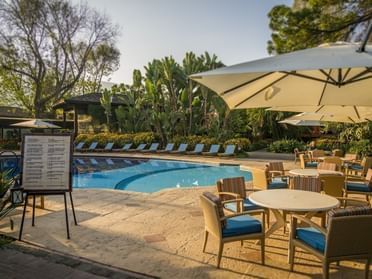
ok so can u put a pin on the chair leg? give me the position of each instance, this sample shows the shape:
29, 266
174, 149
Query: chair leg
206, 233
325, 270
220, 249
292, 251
285, 222
241, 242
263, 250
367, 268
267, 218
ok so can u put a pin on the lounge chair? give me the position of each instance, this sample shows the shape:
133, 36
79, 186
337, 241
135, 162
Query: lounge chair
79, 146
229, 151
91, 147
347, 237
126, 147
107, 148
181, 149
213, 150
234, 227
167, 149
139, 148
153, 148
197, 150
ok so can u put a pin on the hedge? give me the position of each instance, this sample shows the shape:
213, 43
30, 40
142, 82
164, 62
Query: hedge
286, 146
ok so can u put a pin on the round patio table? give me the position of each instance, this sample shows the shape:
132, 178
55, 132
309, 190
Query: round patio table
291, 201
313, 172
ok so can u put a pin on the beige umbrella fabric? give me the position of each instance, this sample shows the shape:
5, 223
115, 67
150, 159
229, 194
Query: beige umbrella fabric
332, 74
325, 118
301, 122
37, 124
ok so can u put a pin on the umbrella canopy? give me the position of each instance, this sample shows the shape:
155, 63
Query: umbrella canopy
36, 123
355, 112
325, 118
301, 122
331, 74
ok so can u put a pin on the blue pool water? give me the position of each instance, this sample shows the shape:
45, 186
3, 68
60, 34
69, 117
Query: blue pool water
147, 175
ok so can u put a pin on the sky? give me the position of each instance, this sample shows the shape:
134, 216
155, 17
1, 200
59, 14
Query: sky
234, 30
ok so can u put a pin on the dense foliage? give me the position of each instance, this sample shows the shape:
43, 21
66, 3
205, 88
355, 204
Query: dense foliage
286, 146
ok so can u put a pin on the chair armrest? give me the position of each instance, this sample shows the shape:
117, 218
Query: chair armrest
355, 177
243, 213
275, 172
233, 200
310, 223
353, 202
235, 195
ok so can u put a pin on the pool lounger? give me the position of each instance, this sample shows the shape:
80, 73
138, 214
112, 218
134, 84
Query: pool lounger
125, 148
213, 150
92, 147
229, 151
110, 162
181, 149
93, 161
167, 149
153, 148
107, 148
197, 150
79, 146
139, 148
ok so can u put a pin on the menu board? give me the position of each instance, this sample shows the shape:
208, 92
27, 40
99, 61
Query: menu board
46, 162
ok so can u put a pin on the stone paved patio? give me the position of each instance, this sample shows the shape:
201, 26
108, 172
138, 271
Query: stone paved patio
161, 234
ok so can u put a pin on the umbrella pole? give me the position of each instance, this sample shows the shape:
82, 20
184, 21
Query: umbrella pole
362, 47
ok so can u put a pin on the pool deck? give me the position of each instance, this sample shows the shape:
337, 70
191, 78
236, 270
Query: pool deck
162, 234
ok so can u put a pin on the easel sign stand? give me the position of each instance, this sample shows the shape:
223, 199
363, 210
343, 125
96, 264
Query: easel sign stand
47, 170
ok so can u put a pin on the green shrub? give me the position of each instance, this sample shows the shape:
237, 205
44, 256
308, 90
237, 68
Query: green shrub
242, 144
362, 147
258, 145
286, 146
144, 138
9, 145
327, 144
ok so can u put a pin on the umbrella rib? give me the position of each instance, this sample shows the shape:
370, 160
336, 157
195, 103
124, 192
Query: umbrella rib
245, 83
303, 76
324, 87
356, 111
319, 108
259, 91
329, 76
359, 79
346, 74
357, 76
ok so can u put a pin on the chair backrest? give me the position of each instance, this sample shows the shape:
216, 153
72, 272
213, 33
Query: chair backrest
154, 146
334, 160
214, 148
182, 147
109, 146
327, 166
276, 166
127, 146
93, 145
317, 153
337, 152
233, 185
366, 164
80, 145
169, 147
260, 178
211, 214
312, 184
333, 185
369, 175
349, 232
303, 159
351, 156
230, 149
199, 147
141, 146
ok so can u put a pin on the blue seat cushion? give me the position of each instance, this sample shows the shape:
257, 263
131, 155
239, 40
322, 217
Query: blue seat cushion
312, 237
358, 187
277, 184
247, 205
356, 167
311, 164
241, 225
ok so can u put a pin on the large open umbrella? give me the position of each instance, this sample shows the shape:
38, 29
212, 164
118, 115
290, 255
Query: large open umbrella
355, 112
325, 118
331, 74
36, 124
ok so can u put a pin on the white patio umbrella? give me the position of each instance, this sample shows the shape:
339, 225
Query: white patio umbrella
301, 122
355, 112
36, 124
331, 74
325, 118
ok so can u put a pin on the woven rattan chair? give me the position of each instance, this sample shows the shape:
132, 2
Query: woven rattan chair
347, 237
305, 183
276, 169
235, 227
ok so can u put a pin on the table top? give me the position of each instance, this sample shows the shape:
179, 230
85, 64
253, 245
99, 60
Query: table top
314, 172
293, 200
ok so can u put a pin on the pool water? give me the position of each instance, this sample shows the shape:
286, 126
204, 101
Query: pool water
147, 175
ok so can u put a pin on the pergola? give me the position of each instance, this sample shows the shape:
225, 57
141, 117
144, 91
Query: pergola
79, 105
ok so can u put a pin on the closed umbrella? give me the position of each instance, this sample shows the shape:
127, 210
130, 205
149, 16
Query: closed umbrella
331, 74
325, 118
36, 124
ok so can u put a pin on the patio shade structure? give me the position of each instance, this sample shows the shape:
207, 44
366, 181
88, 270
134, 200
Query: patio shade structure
36, 124
301, 122
355, 112
331, 74
325, 118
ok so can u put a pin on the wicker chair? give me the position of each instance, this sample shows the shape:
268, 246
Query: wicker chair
305, 162
359, 184
360, 169
315, 154
262, 180
334, 160
312, 184
235, 227
327, 166
297, 153
347, 237
276, 169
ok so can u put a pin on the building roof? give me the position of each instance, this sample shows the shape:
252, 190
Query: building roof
87, 99
13, 112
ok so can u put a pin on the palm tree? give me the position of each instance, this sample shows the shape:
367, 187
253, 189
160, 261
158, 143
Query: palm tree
106, 100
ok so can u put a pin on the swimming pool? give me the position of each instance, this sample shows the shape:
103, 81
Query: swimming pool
147, 175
